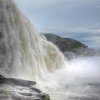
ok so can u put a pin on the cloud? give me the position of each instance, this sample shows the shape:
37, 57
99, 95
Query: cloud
62, 15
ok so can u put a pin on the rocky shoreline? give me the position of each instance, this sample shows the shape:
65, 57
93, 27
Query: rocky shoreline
18, 89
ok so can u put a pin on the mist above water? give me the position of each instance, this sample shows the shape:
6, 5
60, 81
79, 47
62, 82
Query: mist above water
72, 79
81, 68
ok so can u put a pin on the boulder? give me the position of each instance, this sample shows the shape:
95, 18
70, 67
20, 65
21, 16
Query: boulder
18, 89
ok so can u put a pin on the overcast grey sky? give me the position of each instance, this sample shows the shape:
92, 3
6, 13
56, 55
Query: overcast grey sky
62, 15
65, 16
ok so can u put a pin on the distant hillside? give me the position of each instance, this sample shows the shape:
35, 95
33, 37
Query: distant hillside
65, 44
69, 46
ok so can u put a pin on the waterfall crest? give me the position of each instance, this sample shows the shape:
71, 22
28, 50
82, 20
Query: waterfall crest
24, 53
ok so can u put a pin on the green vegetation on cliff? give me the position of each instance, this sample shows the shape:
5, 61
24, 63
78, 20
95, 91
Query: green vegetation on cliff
65, 44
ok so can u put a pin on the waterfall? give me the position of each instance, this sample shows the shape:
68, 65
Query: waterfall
24, 53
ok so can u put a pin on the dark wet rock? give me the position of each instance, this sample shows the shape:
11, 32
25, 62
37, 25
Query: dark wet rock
1, 35
17, 89
17, 82
46, 97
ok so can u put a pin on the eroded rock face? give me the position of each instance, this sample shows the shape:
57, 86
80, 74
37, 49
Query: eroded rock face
16, 89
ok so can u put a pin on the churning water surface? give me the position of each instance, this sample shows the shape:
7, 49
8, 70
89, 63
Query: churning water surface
79, 79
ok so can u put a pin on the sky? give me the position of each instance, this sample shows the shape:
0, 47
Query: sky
77, 19
62, 15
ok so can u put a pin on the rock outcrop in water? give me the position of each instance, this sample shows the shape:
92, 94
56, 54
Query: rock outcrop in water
17, 89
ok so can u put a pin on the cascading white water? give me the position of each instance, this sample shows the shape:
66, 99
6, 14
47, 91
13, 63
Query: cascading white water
24, 53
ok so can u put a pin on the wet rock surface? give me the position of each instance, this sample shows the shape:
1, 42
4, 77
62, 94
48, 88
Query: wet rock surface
17, 89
